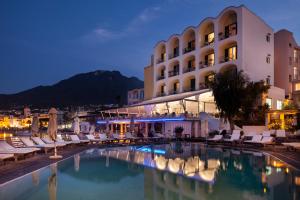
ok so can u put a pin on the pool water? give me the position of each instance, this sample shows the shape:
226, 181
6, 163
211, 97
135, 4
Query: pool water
172, 171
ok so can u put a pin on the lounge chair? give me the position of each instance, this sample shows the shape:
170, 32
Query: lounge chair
292, 145
29, 144
92, 138
266, 133
266, 140
216, 138
4, 156
104, 138
235, 136
5, 148
129, 136
39, 141
59, 139
280, 134
76, 138
47, 140
255, 139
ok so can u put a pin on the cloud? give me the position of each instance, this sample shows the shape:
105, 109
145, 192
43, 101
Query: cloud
102, 34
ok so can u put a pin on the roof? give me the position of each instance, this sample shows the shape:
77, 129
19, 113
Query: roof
169, 98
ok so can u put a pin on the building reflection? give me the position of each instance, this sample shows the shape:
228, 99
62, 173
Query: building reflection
201, 171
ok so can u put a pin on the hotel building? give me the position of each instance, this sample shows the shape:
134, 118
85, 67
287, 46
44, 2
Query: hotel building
235, 39
176, 92
287, 64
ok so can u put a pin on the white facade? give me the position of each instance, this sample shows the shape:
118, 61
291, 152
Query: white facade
235, 38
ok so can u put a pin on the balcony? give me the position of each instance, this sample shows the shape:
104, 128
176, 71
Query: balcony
230, 30
175, 92
189, 89
173, 55
203, 86
173, 73
224, 59
190, 47
160, 60
208, 43
189, 69
206, 63
161, 94
160, 78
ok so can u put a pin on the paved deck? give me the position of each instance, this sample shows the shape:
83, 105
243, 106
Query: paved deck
12, 170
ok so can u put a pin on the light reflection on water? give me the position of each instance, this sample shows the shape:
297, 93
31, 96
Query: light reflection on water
176, 171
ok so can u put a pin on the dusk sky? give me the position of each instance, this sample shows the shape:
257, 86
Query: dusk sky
42, 42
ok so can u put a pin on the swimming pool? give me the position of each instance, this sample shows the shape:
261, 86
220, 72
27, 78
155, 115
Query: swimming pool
171, 171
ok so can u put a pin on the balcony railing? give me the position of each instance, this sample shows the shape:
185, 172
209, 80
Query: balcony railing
228, 33
161, 94
173, 73
224, 59
173, 55
189, 69
160, 78
160, 60
189, 89
206, 63
203, 86
189, 48
207, 43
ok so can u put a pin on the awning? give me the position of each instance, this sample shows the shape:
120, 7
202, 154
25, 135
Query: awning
169, 98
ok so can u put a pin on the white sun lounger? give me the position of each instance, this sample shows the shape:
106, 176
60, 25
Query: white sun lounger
76, 138
294, 145
39, 141
104, 138
5, 148
235, 136
92, 138
59, 139
266, 133
6, 156
216, 138
255, 139
29, 144
47, 140
266, 140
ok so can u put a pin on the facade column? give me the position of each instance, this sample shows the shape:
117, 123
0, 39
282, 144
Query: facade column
146, 130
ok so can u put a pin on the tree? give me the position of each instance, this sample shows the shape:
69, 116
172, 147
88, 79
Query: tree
236, 96
228, 89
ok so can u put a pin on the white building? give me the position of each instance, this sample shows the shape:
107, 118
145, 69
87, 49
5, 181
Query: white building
236, 38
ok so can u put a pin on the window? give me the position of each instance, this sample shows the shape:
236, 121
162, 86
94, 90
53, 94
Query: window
231, 53
295, 73
269, 102
209, 38
290, 78
297, 86
268, 37
279, 105
268, 59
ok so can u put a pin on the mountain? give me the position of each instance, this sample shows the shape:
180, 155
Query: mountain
98, 87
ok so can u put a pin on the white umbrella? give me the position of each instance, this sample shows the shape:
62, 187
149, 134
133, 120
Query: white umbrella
52, 125
76, 125
35, 125
52, 130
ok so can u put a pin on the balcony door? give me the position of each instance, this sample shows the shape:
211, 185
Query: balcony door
231, 53
193, 84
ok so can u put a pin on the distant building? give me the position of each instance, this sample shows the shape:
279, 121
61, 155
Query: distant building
287, 64
135, 96
27, 112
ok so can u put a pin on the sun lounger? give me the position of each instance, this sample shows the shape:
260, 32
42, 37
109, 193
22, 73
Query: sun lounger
255, 139
59, 139
280, 134
5, 148
266, 133
39, 141
4, 157
104, 138
235, 136
293, 145
92, 138
47, 140
29, 144
216, 138
266, 140
76, 138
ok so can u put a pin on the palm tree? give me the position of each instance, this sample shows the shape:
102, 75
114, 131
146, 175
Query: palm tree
228, 89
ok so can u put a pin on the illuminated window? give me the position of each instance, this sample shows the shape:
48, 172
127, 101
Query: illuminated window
295, 73
297, 86
210, 37
269, 102
231, 53
279, 105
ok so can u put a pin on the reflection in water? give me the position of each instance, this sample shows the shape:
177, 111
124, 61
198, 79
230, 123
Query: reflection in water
35, 178
76, 162
159, 172
52, 182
